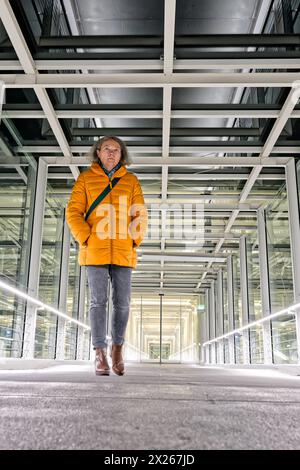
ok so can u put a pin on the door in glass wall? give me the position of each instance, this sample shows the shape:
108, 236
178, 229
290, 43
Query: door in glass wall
162, 329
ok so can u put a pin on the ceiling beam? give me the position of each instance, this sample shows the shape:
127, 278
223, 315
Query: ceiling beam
195, 40
183, 161
225, 63
201, 150
204, 258
175, 132
150, 80
91, 112
189, 177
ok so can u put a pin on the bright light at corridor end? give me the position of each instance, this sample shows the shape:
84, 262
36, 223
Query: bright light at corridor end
40, 305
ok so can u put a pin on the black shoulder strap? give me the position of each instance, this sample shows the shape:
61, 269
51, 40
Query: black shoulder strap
101, 196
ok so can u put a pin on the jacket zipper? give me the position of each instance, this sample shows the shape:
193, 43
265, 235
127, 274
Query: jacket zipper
110, 184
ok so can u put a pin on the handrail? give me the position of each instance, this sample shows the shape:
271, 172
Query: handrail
289, 311
40, 304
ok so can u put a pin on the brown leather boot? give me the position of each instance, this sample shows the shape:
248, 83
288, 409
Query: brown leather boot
117, 359
101, 364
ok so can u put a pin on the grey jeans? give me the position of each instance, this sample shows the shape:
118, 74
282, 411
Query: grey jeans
121, 292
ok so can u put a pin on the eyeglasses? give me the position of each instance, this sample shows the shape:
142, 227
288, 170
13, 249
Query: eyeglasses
108, 150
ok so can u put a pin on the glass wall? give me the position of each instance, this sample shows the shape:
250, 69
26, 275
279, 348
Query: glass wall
16, 202
16, 214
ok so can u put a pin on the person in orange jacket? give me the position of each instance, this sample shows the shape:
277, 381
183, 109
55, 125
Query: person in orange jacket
108, 217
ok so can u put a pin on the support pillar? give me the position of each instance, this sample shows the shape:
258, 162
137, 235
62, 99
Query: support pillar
245, 298
264, 284
230, 309
63, 291
294, 224
220, 317
35, 260
80, 317
212, 321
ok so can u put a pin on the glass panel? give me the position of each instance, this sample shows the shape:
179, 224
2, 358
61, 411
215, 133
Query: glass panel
49, 273
73, 282
255, 310
16, 208
72, 302
10, 332
189, 329
237, 300
86, 345
173, 320
284, 340
70, 341
51, 248
256, 345
212, 353
226, 351
133, 346
225, 300
238, 343
45, 336
279, 253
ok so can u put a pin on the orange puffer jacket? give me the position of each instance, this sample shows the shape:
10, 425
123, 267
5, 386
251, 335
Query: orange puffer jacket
116, 226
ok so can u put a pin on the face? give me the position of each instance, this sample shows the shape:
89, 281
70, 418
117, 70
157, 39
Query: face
109, 154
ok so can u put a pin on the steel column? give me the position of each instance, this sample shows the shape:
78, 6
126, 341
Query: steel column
220, 317
81, 309
230, 308
294, 224
245, 297
63, 290
35, 260
264, 284
212, 320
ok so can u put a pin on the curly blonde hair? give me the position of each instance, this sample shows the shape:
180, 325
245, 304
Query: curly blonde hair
125, 158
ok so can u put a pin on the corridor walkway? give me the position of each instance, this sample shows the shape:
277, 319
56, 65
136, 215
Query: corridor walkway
64, 406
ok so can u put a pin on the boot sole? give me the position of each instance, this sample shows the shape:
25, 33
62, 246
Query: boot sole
102, 373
